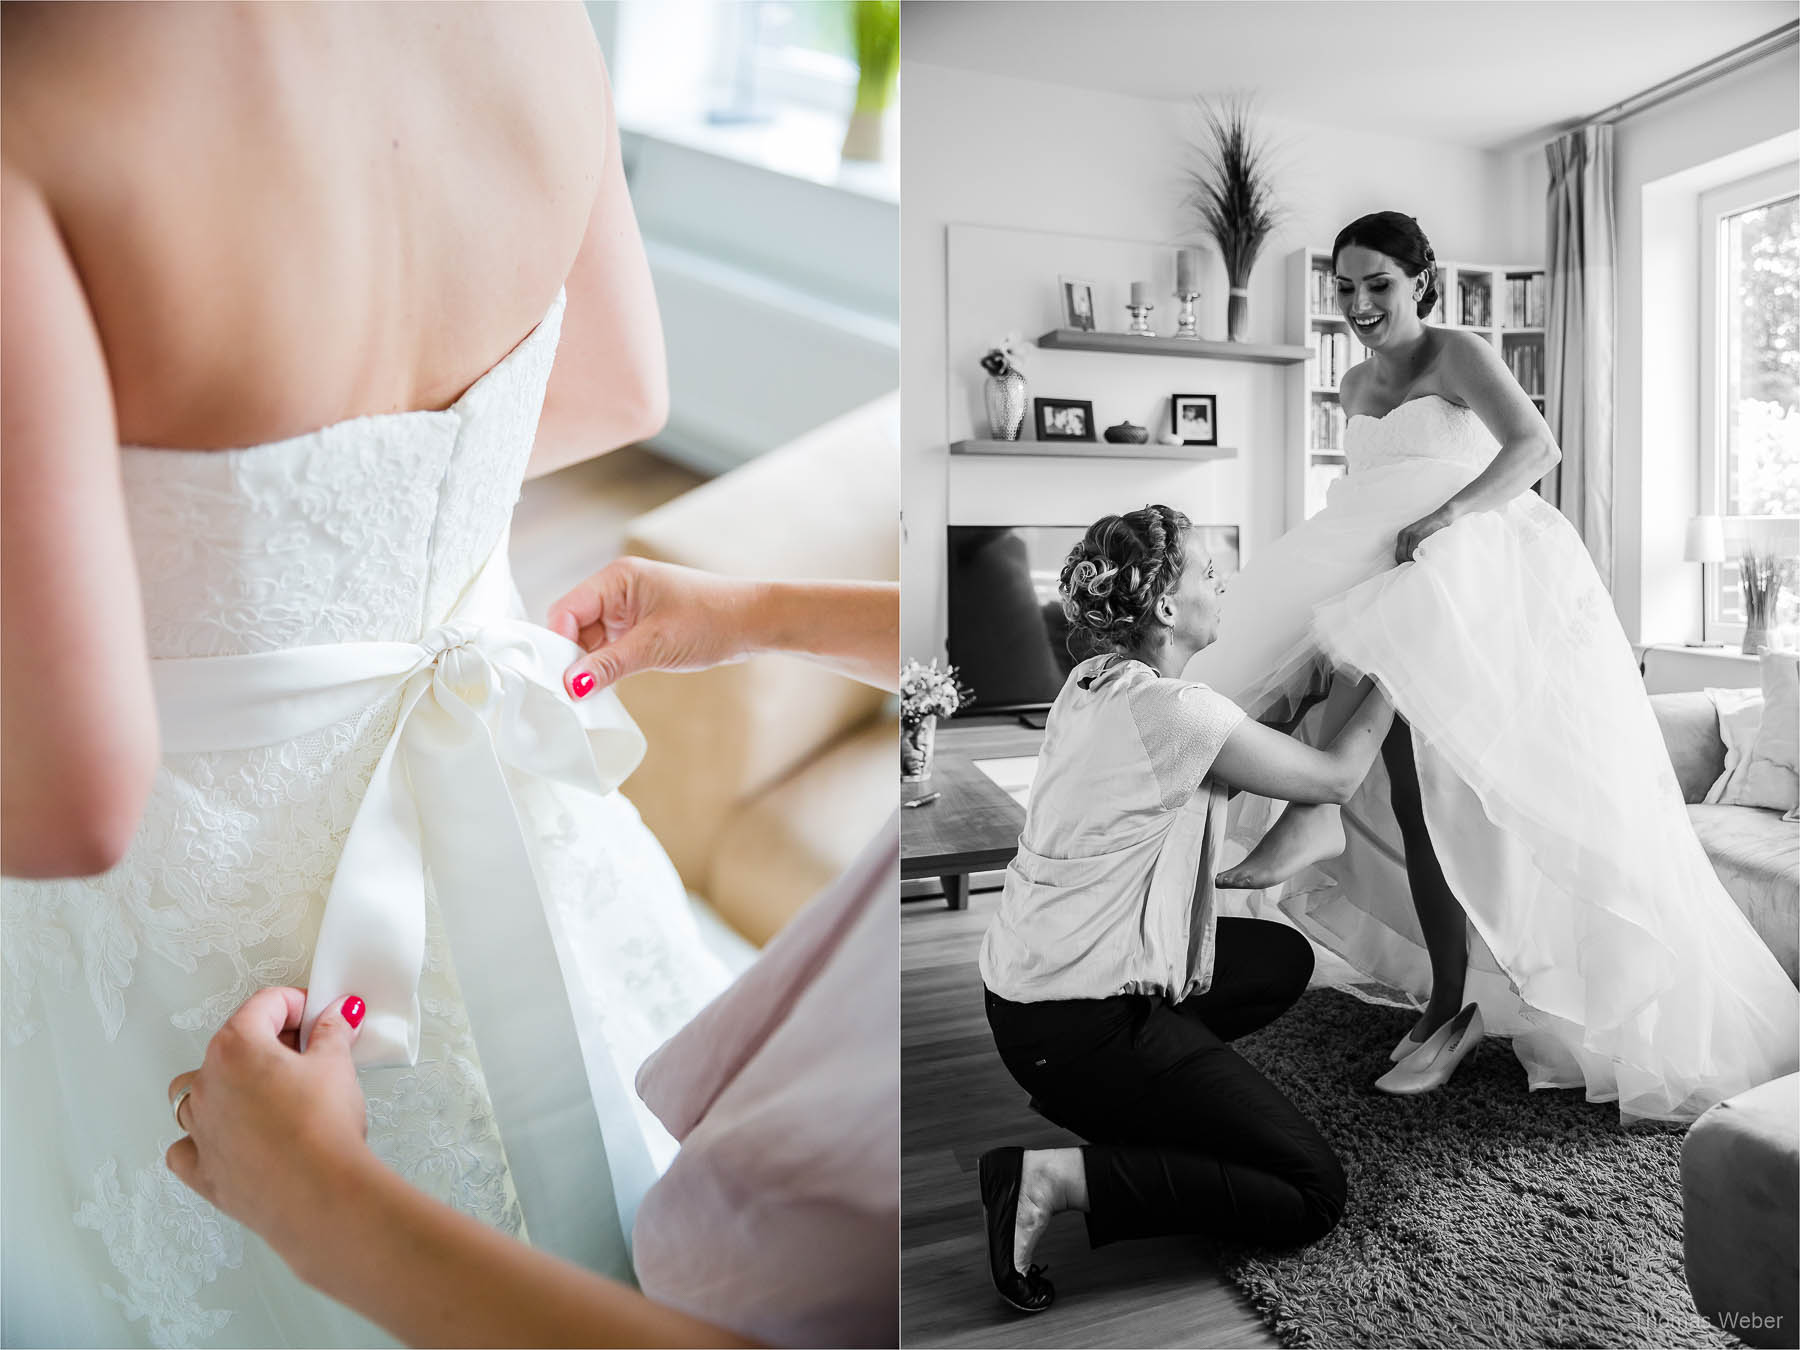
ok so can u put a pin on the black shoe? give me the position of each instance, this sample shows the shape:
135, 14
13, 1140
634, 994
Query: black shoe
1001, 1170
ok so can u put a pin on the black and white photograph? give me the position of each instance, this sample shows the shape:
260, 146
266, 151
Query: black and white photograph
1195, 418
1378, 926
432, 434
1064, 419
1078, 304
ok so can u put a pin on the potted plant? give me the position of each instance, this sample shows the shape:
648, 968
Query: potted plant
1233, 193
1006, 401
926, 694
875, 28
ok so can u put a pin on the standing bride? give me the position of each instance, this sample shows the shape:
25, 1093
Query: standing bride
295, 297
1525, 860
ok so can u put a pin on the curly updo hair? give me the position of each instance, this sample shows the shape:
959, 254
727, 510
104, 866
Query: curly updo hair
1120, 569
1400, 238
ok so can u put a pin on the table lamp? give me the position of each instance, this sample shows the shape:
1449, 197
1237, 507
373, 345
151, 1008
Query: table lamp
1705, 544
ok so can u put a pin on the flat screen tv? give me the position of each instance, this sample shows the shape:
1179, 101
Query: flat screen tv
1008, 638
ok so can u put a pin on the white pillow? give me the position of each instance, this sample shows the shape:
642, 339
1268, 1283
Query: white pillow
1761, 731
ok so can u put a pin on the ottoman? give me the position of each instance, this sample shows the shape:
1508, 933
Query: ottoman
1740, 1194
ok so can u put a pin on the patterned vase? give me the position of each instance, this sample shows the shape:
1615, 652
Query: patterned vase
1006, 405
915, 749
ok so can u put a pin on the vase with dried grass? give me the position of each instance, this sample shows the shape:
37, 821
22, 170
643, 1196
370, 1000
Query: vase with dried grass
1761, 576
1231, 189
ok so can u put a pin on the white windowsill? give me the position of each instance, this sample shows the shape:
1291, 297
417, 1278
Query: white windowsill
798, 143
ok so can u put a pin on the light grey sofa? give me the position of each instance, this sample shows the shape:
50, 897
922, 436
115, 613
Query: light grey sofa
1755, 852
1740, 1163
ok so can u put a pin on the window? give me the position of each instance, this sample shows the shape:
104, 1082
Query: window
768, 82
1750, 391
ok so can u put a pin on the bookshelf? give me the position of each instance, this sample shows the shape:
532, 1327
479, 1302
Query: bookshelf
1504, 304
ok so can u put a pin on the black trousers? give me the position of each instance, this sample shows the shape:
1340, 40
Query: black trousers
1183, 1135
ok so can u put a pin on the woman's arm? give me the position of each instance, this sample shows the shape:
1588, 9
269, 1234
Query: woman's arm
78, 735
635, 614
610, 384
275, 1139
1259, 759
434, 1276
1473, 371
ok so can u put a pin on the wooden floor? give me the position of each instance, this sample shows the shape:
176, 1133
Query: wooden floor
958, 1101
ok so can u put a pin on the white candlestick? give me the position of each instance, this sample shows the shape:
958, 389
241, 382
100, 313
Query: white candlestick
1187, 271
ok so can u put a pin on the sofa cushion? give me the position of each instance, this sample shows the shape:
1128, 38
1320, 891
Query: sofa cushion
1690, 728
1757, 856
820, 507
1740, 1174
785, 846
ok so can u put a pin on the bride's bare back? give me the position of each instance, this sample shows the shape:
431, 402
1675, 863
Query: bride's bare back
224, 225
285, 215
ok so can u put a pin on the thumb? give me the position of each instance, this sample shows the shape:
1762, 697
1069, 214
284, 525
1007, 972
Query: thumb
611, 663
336, 1030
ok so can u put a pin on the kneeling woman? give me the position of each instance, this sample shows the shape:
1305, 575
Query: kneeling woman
1111, 987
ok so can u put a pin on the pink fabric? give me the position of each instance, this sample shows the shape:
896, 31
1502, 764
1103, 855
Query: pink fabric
779, 1217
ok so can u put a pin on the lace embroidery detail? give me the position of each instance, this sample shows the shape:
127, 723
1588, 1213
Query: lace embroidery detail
1458, 434
168, 1243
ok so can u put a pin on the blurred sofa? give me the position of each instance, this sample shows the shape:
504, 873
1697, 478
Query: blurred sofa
765, 779
1754, 851
1740, 1161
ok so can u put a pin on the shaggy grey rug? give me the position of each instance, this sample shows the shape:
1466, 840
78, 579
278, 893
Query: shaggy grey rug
1480, 1214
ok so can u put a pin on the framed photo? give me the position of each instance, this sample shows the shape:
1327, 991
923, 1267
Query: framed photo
1195, 418
1077, 303
1064, 419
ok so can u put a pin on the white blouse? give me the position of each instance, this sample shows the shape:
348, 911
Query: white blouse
1111, 891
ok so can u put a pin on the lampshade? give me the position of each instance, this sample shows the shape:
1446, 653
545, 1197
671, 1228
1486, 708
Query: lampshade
1705, 540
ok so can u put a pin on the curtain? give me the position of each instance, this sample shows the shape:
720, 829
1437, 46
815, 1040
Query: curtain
1579, 338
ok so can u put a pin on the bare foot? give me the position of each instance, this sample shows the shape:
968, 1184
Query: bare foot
1304, 835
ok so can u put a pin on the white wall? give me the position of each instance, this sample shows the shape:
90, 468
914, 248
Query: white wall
1030, 156
1662, 160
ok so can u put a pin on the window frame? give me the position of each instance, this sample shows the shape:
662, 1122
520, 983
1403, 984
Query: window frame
1716, 206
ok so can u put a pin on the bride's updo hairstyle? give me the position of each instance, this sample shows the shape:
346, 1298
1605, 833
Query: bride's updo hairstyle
1398, 237
1119, 570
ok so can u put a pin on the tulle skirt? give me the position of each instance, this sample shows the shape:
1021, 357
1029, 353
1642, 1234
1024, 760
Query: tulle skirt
1601, 939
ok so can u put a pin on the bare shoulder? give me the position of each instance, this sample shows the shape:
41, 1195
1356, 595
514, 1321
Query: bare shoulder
1351, 393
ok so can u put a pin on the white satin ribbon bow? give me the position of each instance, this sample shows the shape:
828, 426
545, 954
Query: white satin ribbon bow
481, 691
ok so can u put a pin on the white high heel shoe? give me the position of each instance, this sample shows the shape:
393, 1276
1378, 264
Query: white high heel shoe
1431, 1065
1406, 1046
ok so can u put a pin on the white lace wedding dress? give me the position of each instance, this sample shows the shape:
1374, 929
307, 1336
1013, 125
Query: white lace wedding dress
368, 540
1602, 941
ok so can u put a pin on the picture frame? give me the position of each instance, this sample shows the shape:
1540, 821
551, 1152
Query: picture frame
1195, 418
1063, 419
1078, 307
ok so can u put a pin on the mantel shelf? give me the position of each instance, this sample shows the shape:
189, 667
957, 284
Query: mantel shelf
1092, 450
1268, 354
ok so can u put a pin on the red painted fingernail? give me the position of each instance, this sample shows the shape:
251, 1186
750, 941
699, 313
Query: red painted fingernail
353, 1011
582, 684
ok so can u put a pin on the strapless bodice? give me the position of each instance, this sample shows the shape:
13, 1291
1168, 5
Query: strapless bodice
1427, 427
368, 529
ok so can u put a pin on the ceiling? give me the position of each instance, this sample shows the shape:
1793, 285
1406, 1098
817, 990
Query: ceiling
1483, 73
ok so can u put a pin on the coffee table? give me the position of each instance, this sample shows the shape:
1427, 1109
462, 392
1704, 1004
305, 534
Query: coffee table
973, 826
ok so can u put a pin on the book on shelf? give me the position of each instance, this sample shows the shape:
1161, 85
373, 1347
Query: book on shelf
1328, 423
1525, 299
1324, 290
1526, 361
1335, 351
1472, 301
